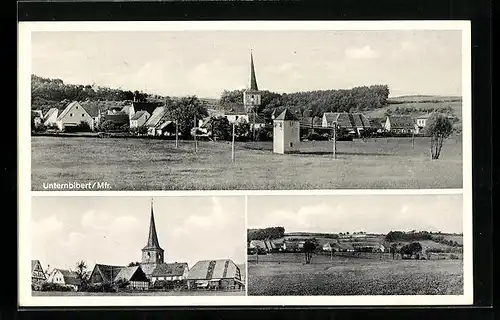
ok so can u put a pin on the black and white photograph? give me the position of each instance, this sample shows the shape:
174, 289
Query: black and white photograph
352, 245
137, 246
247, 108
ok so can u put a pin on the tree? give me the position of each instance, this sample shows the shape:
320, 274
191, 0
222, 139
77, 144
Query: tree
81, 273
394, 249
242, 130
107, 126
219, 128
438, 127
184, 111
309, 248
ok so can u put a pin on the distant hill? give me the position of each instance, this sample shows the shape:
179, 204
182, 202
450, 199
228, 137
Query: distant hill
423, 98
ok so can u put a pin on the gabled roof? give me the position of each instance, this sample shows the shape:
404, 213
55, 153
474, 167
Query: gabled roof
118, 118
376, 123
139, 114
360, 121
51, 112
286, 115
401, 122
70, 277
145, 106
34, 264
108, 272
92, 107
306, 121
69, 107
165, 124
156, 116
134, 273
170, 269
341, 118
214, 269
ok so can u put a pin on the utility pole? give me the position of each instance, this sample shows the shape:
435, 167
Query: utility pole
413, 139
253, 127
232, 146
331, 254
176, 133
195, 141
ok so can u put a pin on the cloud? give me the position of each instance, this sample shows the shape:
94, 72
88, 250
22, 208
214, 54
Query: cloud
365, 52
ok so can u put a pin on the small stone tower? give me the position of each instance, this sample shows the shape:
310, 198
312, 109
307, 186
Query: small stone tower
252, 96
152, 253
286, 133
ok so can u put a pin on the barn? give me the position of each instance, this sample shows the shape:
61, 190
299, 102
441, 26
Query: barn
134, 275
215, 275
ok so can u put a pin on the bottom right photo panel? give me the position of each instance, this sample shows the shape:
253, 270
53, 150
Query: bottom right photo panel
346, 245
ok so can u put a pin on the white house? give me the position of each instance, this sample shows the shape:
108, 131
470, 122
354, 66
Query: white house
73, 115
139, 119
170, 272
286, 133
51, 117
65, 278
327, 247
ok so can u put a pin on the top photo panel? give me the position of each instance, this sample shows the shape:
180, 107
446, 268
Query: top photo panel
241, 109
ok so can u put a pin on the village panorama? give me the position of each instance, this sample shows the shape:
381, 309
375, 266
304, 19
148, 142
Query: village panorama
91, 137
155, 274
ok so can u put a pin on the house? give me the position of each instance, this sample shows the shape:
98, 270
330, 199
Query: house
72, 116
139, 119
256, 121
311, 122
136, 107
166, 128
65, 278
37, 273
51, 117
215, 275
400, 124
134, 276
158, 117
377, 124
117, 117
421, 122
170, 272
286, 132
236, 112
327, 247
280, 246
353, 123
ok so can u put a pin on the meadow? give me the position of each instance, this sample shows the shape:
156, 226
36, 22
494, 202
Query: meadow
286, 274
150, 164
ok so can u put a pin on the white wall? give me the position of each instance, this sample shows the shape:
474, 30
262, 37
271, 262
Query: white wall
75, 116
286, 136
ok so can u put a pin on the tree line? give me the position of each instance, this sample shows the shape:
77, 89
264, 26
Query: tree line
266, 233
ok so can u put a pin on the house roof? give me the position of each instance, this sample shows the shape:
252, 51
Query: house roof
286, 115
214, 269
34, 264
341, 118
139, 114
145, 106
118, 118
376, 123
359, 120
156, 116
92, 107
108, 272
70, 277
401, 122
165, 124
69, 107
170, 269
51, 112
306, 121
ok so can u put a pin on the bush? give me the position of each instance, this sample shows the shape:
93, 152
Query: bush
101, 287
314, 136
263, 134
83, 127
49, 286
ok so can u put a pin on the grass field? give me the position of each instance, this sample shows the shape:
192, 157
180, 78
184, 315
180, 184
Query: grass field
456, 107
288, 275
139, 293
148, 164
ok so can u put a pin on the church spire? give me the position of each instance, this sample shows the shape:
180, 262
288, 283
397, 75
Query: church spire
253, 79
153, 237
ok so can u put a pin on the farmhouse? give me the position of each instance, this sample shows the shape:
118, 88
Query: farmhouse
133, 276
400, 124
159, 123
170, 272
37, 273
421, 122
64, 277
215, 275
377, 124
353, 123
51, 117
286, 133
72, 116
139, 119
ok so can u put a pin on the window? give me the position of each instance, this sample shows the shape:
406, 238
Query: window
83, 115
236, 118
291, 144
70, 114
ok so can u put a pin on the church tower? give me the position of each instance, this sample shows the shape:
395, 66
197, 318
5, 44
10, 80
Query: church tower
152, 253
251, 96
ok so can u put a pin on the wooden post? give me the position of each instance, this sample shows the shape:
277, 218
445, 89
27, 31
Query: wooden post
195, 141
331, 254
253, 128
232, 146
413, 139
176, 134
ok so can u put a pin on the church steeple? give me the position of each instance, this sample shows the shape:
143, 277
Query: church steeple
152, 252
253, 78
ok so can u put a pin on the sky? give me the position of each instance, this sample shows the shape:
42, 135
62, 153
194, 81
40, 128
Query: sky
354, 213
204, 63
113, 230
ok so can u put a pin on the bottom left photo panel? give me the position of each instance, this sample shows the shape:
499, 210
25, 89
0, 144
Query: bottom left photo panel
136, 246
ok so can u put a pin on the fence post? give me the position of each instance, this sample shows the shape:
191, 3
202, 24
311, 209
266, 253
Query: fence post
232, 146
